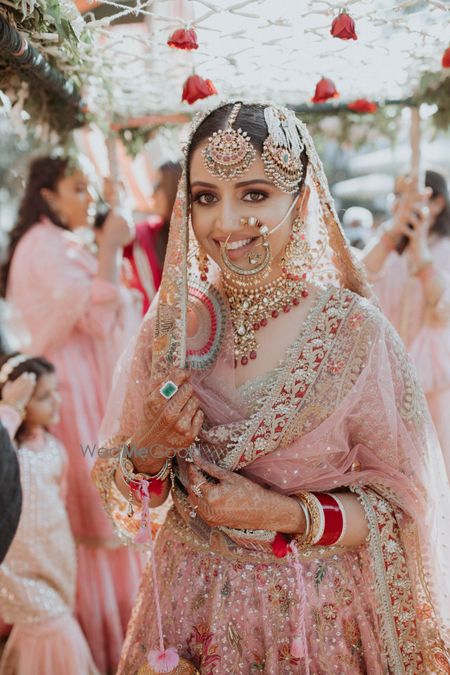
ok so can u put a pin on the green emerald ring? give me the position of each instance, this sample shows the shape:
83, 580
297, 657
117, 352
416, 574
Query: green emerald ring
168, 390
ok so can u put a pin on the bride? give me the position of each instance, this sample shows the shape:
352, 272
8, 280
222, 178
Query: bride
271, 399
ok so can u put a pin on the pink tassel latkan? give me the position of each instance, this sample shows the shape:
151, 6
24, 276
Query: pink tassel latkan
297, 648
163, 661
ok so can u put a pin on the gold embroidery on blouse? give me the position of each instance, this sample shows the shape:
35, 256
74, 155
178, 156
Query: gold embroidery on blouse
344, 360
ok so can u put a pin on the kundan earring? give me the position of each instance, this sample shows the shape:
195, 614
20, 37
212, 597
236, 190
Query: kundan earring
297, 257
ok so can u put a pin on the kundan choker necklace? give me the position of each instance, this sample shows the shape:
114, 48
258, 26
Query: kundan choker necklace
251, 308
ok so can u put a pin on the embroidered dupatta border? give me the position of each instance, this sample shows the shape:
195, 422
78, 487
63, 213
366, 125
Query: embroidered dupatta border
303, 366
398, 612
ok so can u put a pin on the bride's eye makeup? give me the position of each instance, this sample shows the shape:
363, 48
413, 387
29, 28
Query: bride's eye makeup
255, 196
208, 198
204, 198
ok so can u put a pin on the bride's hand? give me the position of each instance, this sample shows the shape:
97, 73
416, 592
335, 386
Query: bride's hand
166, 425
237, 502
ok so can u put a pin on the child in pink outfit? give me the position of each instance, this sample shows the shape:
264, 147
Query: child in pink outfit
38, 575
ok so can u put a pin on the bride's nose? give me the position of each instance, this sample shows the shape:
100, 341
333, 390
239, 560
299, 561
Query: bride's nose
227, 220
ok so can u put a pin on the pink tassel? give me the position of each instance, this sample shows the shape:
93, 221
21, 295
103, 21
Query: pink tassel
142, 536
163, 660
297, 648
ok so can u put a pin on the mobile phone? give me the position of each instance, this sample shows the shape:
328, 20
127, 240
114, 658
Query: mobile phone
404, 242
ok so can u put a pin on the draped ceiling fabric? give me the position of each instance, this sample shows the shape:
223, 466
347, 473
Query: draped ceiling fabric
266, 49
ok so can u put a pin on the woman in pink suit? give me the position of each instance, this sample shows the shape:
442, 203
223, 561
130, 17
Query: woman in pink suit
413, 288
79, 316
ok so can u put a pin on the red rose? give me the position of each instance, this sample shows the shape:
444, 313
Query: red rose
343, 27
280, 545
196, 87
362, 105
325, 89
183, 39
446, 58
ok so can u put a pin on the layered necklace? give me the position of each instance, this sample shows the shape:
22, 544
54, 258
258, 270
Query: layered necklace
251, 309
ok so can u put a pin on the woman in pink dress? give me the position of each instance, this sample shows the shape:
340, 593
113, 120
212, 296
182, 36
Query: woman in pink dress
278, 407
413, 288
38, 575
79, 316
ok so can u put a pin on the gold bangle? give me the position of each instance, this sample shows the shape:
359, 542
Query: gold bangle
300, 539
132, 478
317, 518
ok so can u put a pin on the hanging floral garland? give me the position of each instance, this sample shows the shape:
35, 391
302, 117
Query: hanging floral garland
69, 44
42, 74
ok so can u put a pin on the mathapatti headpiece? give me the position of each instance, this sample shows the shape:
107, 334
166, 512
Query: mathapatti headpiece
282, 149
229, 153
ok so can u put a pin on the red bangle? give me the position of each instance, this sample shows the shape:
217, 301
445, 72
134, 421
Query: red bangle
334, 519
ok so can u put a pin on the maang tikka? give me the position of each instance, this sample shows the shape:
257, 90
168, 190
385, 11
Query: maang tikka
229, 152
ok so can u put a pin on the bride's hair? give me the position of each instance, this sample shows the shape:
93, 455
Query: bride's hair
250, 119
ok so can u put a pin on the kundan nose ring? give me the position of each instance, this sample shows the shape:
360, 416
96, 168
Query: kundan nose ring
252, 221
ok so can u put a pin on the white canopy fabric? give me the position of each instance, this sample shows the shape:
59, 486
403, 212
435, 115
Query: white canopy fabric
266, 49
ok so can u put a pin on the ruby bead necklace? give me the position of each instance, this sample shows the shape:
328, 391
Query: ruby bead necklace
251, 309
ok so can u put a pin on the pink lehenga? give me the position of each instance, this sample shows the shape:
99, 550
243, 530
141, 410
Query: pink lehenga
81, 323
342, 410
424, 330
38, 575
